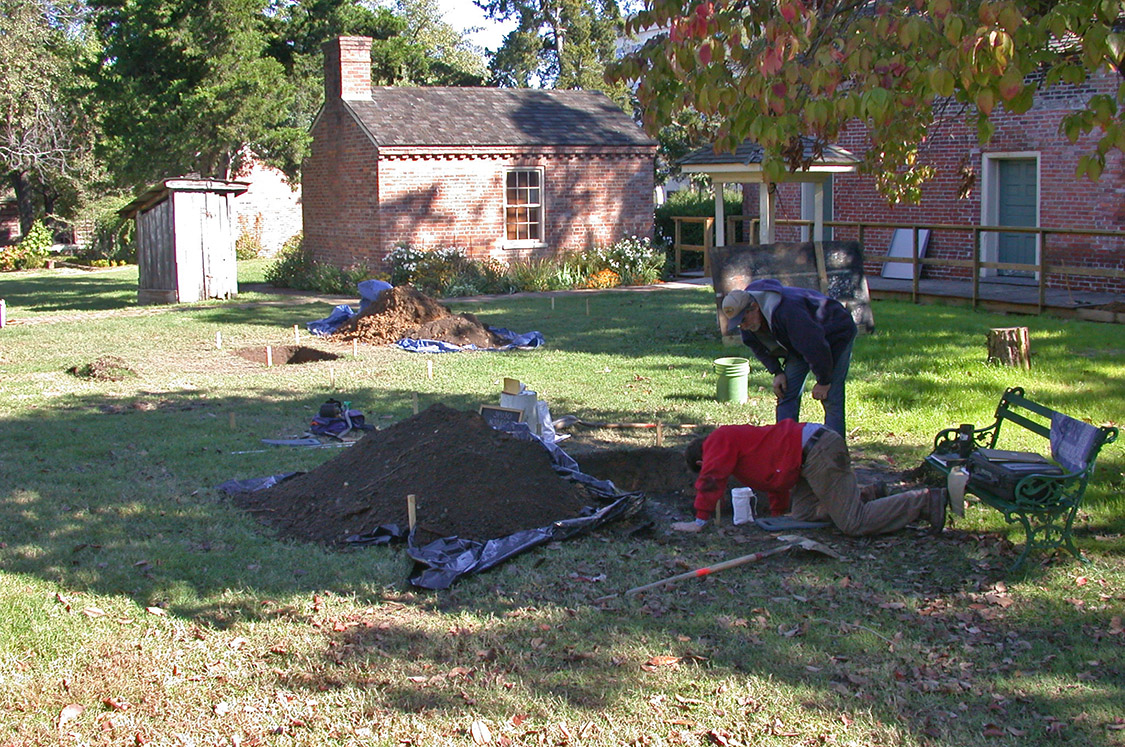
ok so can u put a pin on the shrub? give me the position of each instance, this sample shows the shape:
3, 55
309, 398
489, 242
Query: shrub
429, 271
114, 237
533, 275
30, 253
248, 245
636, 261
690, 202
296, 268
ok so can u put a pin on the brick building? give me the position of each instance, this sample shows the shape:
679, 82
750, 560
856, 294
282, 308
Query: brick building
502, 173
1025, 176
270, 209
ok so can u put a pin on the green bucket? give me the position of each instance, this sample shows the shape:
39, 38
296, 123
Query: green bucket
733, 373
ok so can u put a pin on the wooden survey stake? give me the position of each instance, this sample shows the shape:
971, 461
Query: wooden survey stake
411, 518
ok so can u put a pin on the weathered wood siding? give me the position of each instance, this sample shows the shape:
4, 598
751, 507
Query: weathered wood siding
185, 249
156, 259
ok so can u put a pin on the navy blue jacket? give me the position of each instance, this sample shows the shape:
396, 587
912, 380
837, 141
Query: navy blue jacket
806, 324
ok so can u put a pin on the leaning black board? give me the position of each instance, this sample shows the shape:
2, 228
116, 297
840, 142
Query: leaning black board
796, 265
494, 415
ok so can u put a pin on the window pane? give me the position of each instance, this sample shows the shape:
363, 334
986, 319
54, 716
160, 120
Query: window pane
523, 196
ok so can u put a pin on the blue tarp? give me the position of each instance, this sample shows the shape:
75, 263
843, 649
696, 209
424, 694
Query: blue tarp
514, 341
331, 323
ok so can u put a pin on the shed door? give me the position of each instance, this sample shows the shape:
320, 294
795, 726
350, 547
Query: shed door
1017, 205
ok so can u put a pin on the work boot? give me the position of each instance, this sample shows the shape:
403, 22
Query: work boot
874, 491
939, 500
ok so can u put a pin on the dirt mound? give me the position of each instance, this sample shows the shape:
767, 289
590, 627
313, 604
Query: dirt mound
403, 311
106, 368
459, 329
470, 481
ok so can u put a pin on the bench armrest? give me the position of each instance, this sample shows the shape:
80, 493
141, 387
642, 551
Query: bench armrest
946, 440
1045, 492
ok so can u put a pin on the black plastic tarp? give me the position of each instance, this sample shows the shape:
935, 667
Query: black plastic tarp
438, 564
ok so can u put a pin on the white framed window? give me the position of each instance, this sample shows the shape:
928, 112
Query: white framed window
523, 207
1010, 197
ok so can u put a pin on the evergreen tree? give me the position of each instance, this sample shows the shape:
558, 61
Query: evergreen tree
187, 88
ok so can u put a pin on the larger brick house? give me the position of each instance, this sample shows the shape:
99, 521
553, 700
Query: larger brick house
502, 173
1025, 176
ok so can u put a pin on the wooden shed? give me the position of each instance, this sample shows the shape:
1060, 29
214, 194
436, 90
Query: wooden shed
185, 240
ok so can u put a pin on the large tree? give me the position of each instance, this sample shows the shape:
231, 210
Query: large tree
778, 69
411, 46
186, 87
556, 43
44, 134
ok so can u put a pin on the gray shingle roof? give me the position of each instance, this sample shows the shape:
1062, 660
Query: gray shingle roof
404, 116
749, 153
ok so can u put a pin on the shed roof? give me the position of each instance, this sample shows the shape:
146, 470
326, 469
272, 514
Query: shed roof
450, 116
159, 191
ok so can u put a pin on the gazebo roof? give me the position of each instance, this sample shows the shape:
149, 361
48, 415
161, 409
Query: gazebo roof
745, 163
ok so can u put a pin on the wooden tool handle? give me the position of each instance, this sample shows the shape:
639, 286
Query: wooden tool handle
711, 569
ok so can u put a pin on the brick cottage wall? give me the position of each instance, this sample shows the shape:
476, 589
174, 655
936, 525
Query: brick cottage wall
1066, 201
590, 198
270, 206
340, 191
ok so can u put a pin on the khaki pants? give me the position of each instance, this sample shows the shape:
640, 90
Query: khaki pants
827, 490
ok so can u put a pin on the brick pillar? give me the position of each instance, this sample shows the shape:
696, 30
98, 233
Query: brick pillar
347, 67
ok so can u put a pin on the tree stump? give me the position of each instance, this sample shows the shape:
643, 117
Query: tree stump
1009, 346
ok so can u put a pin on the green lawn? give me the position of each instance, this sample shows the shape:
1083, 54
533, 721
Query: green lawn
142, 607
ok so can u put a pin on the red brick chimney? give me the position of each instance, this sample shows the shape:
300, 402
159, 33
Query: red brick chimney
347, 68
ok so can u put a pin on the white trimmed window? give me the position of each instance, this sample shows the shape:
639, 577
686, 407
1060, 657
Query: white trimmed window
523, 206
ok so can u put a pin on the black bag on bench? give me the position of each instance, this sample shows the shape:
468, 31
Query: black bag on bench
999, 476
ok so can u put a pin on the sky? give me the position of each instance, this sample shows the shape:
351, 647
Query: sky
463, 14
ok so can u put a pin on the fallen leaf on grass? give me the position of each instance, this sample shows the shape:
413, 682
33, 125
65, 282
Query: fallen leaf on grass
481, 734
69, 713
93, 612
156, 611
117, 704
1115, 625
660, 661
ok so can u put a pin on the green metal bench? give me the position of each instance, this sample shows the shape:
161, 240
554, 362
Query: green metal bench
1045, 505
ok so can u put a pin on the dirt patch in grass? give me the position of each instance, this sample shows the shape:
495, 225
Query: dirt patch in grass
470, 481
105, 368
405, 312
280, 355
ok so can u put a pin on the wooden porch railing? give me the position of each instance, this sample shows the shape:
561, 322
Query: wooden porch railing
974, 264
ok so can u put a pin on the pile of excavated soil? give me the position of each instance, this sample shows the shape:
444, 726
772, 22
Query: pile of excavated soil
106, 368
469, 480
405, 312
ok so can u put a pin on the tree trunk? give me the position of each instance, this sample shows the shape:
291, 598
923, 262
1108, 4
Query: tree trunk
1009, 346
25, 200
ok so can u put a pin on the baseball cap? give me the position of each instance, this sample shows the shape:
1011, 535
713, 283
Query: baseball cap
735, 304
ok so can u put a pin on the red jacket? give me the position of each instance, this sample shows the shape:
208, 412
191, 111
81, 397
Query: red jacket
765, 458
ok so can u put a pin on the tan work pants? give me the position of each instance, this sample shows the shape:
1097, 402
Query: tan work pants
827, 489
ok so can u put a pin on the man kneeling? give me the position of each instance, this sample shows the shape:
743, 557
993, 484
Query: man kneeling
806, 467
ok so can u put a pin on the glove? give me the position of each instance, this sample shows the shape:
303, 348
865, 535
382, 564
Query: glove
780, 384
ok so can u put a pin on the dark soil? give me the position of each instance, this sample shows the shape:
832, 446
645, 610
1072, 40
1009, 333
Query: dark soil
470, 481
405, 312
285, 354
106, 368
